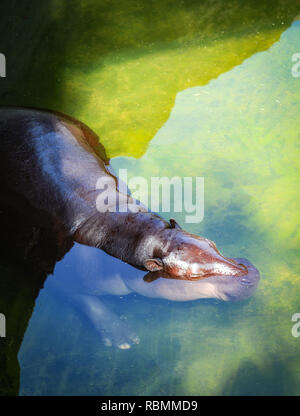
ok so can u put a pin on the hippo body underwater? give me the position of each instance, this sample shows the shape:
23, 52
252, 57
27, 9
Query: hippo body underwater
86, 276
51, 167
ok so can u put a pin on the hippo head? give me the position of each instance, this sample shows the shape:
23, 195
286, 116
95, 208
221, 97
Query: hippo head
184, 256
226, 287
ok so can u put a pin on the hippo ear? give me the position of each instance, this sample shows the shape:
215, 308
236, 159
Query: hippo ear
153, 265
174, 224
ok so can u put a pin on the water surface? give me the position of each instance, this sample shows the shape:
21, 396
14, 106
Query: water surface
241, 133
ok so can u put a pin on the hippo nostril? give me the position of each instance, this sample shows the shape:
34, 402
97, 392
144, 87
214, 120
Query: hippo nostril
246, 282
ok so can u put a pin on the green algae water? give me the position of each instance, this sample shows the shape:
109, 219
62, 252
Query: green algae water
240, 132
117, 65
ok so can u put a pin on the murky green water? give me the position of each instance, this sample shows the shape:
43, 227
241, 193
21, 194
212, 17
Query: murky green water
241, 133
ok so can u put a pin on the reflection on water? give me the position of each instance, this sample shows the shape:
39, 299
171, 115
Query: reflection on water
241, 133
86, 276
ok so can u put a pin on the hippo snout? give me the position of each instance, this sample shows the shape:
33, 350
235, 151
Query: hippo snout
239, 287
231, 267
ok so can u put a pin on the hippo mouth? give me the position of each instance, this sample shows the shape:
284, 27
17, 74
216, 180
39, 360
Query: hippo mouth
247, 276
241, 270
252, 276
225, 287
231, 268
241, 263
232, 288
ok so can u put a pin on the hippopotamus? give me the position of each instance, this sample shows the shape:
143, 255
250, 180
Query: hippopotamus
54, 171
